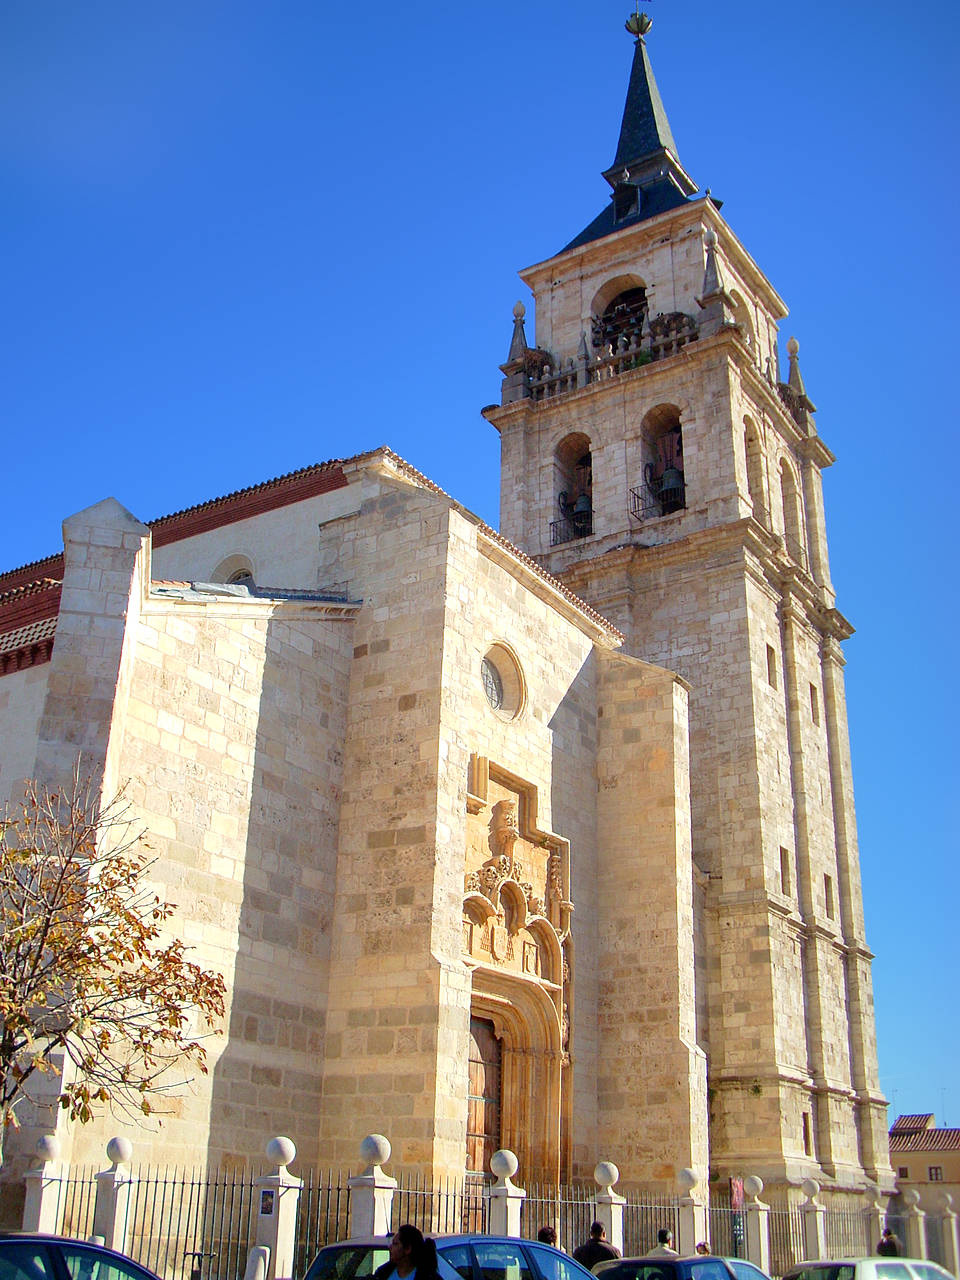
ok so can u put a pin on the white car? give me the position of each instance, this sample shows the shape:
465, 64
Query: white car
875, 1268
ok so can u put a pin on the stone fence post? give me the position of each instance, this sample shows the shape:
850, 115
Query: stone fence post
113, 1196
951, 1246
916, 1241
758, 1224
693, 1215
609, 1202
41, 1205
505, 1198
371, 1192
814, 1222
276, 1199
876, 1212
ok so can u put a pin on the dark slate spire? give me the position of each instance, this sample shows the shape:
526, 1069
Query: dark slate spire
646, 176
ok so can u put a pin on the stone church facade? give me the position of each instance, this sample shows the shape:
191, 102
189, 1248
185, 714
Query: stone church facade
541, 838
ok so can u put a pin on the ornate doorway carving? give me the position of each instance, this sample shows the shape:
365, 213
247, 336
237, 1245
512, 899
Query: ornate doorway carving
516, 941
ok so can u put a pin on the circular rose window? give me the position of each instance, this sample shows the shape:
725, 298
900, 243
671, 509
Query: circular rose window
502, 681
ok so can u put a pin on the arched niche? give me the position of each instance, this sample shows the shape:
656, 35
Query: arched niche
792, 512
753, 453
573, 488
661, 458
741, 314
237, 569
617, 312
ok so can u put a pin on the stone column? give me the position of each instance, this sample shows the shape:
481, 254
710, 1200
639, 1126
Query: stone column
371, 1193
693, 1214
505, 1198
113, 1196
609, 1203
951, 1245
277, 1196
814, 1224
41, 1205
758, 1224
864, 1070
914, 1216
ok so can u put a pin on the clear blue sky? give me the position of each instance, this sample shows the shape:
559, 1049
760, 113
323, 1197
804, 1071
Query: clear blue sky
242, 237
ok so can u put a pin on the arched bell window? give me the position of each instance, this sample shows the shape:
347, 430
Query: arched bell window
754, 458
573, 486
664, 481
622, 318
792, 516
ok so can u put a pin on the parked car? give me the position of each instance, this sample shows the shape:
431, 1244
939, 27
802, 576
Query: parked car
459, 1257
875, 1268
701, 1266
26, 1256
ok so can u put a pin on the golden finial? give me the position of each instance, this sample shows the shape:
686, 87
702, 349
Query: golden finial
638, 24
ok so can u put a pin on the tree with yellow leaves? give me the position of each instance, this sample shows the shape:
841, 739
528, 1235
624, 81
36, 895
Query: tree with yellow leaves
87, 970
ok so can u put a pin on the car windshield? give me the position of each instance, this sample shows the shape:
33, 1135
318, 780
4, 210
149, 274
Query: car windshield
827, 1271
347, 1261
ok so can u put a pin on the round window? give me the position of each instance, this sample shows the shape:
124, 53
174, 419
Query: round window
503, 682
492, 684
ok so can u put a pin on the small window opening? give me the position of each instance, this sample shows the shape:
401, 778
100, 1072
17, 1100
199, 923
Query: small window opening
814, 704
771, 667
807, 1136
903, 1172
828, 897
935, 1173
786, 879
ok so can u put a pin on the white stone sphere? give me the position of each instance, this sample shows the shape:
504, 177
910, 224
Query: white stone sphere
810, 1188
375, 1149
606, 1174
710, 238
793, 346
753, 1185
911, 1196
120, 1150
504, 1164
519, 311
48, 1147
687, 1179
281, 1151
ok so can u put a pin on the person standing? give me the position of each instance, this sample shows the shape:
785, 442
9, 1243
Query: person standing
889, 1246
596, 1249
411, 1257
664, 1247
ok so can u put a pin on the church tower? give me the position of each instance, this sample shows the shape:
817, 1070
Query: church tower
655, 460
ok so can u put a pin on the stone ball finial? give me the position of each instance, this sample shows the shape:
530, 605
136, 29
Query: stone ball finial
375, 1149
504, 1164
48, 1147
606, 1174
687, 1179
810, 1188
519, 311
793, 347
120, 1150
911, 1197
281, 1151
710, 238
753, 1185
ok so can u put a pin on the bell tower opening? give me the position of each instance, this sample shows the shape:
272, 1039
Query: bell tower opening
573, 486
661, 458
620, 324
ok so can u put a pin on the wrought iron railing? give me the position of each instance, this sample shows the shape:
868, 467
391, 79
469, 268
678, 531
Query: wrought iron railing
655, 499
569, 528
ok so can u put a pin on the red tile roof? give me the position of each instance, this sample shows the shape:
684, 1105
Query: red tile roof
910, 1124
925, 1140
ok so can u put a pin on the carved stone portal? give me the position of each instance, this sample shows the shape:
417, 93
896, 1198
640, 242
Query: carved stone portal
516, 937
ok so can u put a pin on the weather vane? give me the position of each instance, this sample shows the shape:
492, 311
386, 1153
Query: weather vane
638, 24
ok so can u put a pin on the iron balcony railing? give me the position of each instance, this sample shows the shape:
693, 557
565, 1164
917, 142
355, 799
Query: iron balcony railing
654, 499
569, 528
